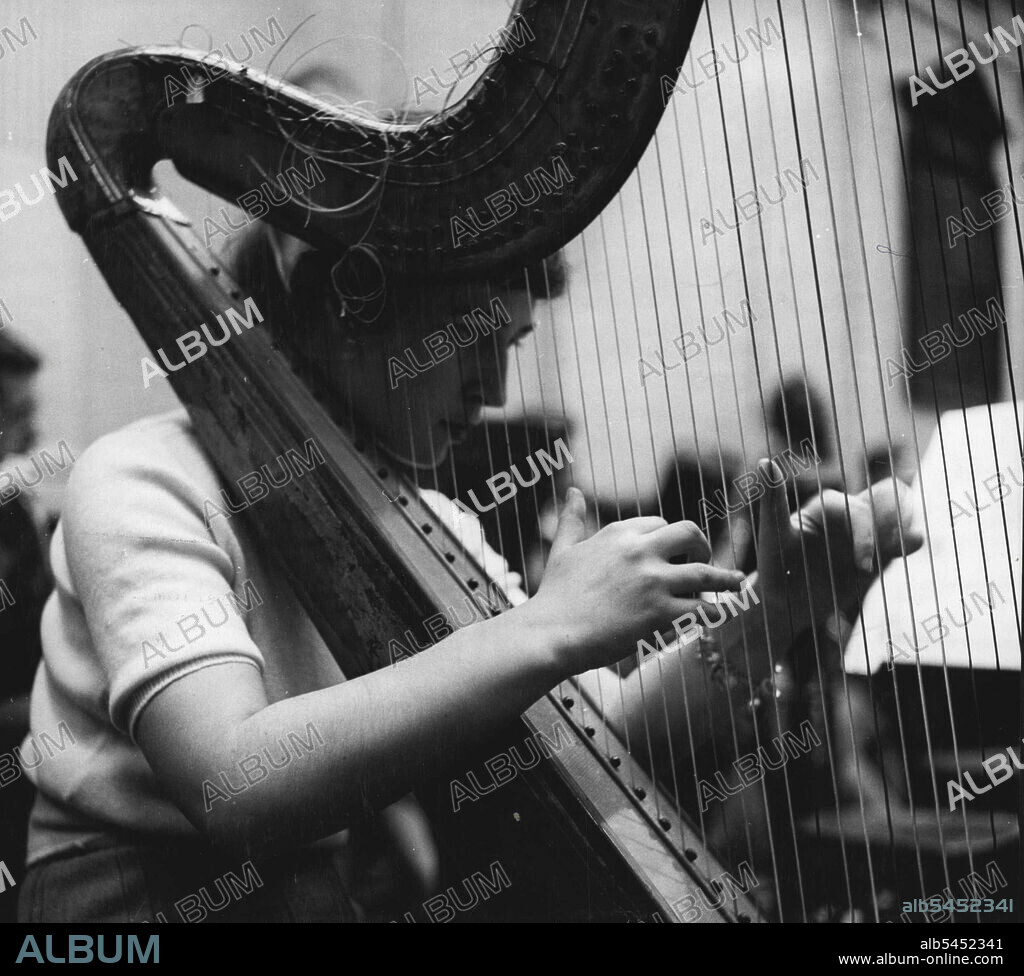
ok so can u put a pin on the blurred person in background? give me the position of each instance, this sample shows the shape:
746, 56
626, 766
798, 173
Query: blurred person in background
24, 585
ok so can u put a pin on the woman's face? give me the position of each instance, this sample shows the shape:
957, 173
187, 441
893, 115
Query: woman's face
419, 390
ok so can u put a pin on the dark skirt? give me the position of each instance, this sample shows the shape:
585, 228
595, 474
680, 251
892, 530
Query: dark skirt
132, 882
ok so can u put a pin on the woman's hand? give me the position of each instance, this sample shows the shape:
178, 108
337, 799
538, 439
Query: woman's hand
824, 557
602, 594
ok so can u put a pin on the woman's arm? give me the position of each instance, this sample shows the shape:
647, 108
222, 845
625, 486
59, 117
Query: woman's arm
382, 733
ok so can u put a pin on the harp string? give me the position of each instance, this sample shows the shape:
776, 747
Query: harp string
1016, 218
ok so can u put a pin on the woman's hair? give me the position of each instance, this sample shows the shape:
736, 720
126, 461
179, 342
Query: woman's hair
349, 291
349, 295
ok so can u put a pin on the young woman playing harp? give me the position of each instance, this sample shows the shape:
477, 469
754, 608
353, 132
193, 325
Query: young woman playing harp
247, 700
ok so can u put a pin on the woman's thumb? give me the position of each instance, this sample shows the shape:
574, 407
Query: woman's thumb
572, 526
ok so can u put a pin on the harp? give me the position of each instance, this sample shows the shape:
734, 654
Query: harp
624, 835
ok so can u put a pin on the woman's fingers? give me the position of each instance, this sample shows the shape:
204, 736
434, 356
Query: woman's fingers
572, 526
681, 539
702, 578
693, 613
643, 524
